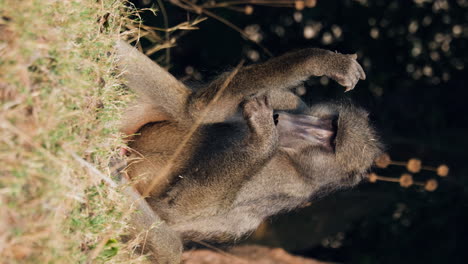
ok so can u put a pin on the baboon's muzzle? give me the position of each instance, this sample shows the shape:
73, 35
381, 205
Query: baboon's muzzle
297, 131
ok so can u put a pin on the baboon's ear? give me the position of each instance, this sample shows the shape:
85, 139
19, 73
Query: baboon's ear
152, 83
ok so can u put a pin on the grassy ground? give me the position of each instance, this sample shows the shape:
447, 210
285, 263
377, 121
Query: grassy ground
59, 99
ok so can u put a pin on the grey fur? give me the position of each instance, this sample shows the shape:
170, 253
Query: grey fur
234, 171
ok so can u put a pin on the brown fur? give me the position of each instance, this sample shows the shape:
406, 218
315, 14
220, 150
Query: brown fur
234, 171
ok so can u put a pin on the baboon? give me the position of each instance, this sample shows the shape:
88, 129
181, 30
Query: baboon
257, 149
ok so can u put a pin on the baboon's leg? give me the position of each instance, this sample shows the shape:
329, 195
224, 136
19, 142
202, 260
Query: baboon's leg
161, 95
164, 243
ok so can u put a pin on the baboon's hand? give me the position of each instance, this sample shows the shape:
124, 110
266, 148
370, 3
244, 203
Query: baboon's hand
345, 70
258, 113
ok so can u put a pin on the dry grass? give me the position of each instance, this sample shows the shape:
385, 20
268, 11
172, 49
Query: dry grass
59, 96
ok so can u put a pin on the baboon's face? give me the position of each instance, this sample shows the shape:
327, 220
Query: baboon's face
330, 142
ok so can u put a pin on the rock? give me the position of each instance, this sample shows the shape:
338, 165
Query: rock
250, 254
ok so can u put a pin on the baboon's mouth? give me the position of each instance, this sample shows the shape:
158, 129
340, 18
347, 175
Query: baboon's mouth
297, 131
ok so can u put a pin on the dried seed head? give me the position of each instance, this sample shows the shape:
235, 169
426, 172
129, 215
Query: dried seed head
248, 10
443, 170
431, 185
299, 5
301, 90
373, 177
383, 161
406, 180
198, 10
310, 3
414, 165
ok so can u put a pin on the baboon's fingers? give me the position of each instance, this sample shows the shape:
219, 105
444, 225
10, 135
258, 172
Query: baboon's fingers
350, 82
361, 71
267, 101
357, 72
350, 87
355, 78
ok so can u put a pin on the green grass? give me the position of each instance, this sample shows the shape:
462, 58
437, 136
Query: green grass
59, 100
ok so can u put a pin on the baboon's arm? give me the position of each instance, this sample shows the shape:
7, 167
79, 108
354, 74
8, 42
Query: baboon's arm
228, 169
162, 97
278, 73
